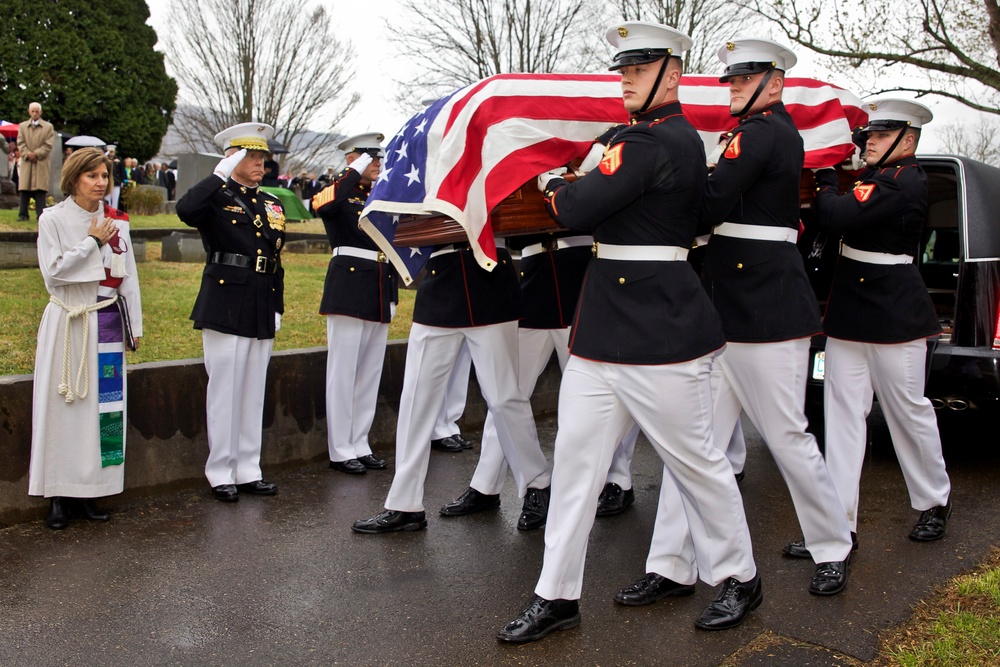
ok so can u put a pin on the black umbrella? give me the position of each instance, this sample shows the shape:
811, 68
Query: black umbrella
172, 164
275, 147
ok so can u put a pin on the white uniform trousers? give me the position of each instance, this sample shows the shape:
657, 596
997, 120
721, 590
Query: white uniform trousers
768, 382
237, 377
455, 397
621, 463
895, 372
534, 349
430, 356
597, 404
355, 352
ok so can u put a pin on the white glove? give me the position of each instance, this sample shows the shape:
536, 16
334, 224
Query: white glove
227, 164
712, 159
392, 309
543, 179
819, 169
594, 157
361, 163
277, 322
857, 160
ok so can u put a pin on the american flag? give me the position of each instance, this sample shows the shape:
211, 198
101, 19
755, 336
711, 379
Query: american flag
467, 151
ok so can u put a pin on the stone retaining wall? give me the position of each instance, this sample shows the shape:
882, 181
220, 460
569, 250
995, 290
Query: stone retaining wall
166, 440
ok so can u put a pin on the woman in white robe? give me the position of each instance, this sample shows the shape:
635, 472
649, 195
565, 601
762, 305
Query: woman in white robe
78, 421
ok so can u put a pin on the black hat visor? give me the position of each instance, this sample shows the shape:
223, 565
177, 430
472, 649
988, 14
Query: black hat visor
742, 69
638, 57
884, 124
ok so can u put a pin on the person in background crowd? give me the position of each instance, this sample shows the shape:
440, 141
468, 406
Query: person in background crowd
166, 179
35, 139
80, 394
239, 304
117, 174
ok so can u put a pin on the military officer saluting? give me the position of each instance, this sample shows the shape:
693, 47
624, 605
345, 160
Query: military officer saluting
643, 341
359, 298
754, 274
239, 305
879, 316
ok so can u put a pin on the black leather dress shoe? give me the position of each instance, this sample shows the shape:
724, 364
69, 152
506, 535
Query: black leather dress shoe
931, 524
350, 466
470, 502
798, 549
614, 500
459, 438
535, 509
650, 589
449, 444
732, 605
57, 518
829, 578
389, 521
227, 493
258, 488
539, 618
371, 463
89, 511
740, 476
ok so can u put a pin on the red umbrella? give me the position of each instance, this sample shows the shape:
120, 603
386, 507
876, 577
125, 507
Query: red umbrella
8, 130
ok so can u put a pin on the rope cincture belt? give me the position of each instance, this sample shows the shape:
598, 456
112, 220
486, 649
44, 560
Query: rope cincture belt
360, 253
757, 232
640, 253
869, 257
556, 244
83, 373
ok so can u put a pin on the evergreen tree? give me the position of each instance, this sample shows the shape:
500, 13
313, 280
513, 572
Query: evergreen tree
91, 66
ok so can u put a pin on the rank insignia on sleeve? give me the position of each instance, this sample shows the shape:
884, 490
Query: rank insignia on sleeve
612, 160
733, 148
275, 215
863, 192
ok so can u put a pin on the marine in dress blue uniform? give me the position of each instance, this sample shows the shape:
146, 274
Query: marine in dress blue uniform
879, 316
754, 274
239, 305
359, 299
643, 329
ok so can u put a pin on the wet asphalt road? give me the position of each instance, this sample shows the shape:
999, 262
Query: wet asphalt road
181, 579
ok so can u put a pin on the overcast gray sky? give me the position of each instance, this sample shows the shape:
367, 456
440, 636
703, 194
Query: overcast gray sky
364, 23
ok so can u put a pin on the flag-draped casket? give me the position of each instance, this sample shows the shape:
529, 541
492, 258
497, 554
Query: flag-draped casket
466, 152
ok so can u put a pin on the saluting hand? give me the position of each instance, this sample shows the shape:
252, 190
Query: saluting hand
227, 164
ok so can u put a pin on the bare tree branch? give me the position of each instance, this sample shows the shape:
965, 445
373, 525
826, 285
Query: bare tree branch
952, 45
976, 140
255, 60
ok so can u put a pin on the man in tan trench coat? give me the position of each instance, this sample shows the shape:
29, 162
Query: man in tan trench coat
35, 138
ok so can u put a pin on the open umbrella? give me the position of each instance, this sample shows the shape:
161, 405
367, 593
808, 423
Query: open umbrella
8, 130
275, 147
84, 141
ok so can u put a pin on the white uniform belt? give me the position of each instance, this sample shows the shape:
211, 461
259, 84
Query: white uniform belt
641, 253
757, 232
456, 247
556, 244
360, 253
874, 257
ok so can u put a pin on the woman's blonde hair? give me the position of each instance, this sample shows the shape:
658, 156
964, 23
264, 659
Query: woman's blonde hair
83, 160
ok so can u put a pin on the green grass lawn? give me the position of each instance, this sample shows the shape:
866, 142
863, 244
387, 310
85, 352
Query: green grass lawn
168, 292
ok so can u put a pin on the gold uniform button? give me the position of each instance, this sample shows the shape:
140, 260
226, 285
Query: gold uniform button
258, 236
254, 200
621, 281
522, 274
862, 280
257, 218
352, 269
234, 221
259, 251
739, 265
433, 272
222, 282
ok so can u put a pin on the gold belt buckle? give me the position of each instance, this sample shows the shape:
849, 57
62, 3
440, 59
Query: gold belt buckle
593, 248
261, 266
381, 257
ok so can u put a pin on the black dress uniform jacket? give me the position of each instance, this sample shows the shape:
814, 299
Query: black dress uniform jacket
647, 192
760, 288
884, 213
354, 287
456, 292
551, 280
242, 222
